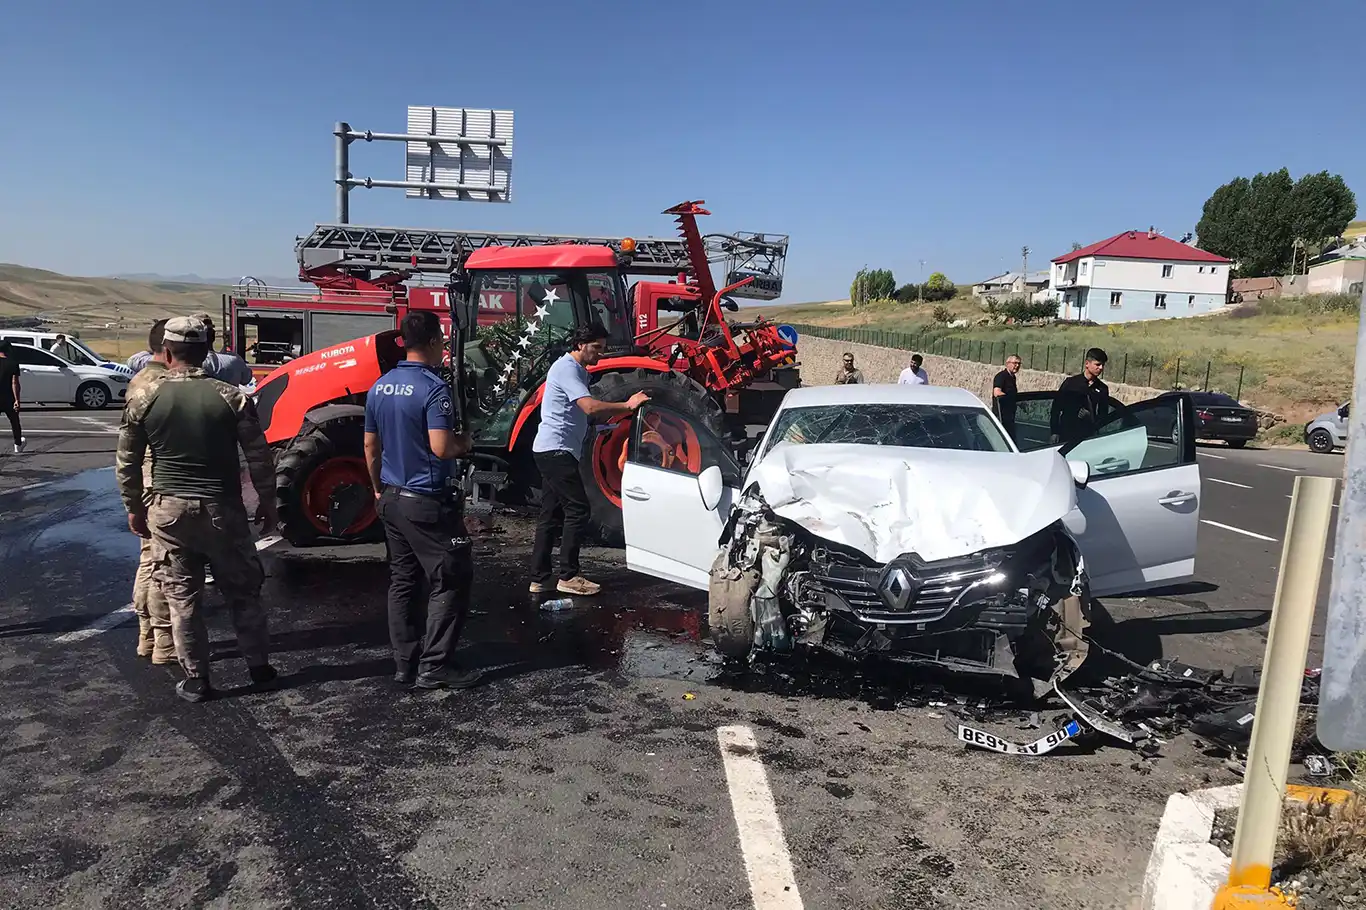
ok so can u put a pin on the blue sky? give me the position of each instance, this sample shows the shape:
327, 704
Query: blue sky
173, 137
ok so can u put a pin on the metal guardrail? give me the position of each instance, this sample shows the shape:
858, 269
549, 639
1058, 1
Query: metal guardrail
1146, 368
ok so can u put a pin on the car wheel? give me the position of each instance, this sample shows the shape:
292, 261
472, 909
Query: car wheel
92, 396
728, 594
1321, 441
1237, 443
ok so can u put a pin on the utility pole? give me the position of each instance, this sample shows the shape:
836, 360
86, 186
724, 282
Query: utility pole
1024, 268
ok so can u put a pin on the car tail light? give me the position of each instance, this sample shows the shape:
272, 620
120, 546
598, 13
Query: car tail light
1204, 415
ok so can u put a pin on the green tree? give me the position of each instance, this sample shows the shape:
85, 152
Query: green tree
1256, 222
1321, 206
937, 287
872, 284
908, 293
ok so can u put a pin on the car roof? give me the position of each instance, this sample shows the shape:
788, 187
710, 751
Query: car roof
881, 393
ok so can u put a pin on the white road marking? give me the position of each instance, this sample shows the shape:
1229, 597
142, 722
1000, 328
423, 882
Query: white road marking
93, 420
1212, 455
123, 614
1276, 467
772, 886
1228, 483
1206, 521
109, 432
31, 486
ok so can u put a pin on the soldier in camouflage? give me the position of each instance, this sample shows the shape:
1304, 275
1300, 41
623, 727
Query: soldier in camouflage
154, 616
193, 426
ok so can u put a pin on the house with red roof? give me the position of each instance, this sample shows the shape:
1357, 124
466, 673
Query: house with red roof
1139, 275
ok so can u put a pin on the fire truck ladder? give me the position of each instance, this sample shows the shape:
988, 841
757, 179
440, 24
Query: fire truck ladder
353, 246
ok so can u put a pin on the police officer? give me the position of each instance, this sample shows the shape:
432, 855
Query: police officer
193, 426
410, 438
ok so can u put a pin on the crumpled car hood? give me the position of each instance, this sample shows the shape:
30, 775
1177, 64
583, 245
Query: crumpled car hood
937, 503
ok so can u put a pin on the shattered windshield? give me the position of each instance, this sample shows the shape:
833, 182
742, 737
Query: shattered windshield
915, 426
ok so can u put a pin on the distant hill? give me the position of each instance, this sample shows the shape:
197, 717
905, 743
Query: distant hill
191, 278
76, 302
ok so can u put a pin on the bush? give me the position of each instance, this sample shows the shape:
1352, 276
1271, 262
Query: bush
908, 293
942, 314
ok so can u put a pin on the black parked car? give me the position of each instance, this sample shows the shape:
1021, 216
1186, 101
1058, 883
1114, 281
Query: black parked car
1220, 416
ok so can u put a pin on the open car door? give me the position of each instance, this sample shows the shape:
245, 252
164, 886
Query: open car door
1138, 515
677, 489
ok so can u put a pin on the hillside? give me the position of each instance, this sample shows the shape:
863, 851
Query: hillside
85, 304
1294, 355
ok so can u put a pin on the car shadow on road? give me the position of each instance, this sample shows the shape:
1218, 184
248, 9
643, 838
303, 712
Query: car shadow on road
1118, 645
51, 625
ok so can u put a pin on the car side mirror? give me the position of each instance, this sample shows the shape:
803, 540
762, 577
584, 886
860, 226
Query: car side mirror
710, 484
1081, 473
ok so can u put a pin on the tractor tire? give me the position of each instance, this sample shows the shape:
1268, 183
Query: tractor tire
669, 389
325, 462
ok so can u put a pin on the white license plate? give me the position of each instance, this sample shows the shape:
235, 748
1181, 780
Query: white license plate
1231, 419
984, 740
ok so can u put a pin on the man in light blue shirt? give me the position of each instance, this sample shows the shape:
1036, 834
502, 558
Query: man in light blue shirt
566, 408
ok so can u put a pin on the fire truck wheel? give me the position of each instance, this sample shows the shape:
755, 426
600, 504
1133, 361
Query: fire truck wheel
605, 452
321, 466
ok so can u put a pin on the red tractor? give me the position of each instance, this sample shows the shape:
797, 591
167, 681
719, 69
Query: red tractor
512, 308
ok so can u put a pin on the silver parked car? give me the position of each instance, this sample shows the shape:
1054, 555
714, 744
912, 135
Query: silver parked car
1327, 432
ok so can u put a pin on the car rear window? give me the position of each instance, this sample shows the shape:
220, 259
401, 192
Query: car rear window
916, 426
1214, 400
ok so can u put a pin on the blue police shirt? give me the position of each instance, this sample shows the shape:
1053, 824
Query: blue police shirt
563, 423
402, 406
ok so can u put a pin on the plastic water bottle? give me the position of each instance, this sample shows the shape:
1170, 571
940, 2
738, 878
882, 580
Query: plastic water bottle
558, 605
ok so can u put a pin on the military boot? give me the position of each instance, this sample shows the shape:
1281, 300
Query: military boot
145, 641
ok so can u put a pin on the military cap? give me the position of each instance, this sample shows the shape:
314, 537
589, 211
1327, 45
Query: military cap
187, 329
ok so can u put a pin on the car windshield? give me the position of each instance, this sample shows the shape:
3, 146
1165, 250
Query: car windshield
916, 426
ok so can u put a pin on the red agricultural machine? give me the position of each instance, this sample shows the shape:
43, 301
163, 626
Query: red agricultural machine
511, 303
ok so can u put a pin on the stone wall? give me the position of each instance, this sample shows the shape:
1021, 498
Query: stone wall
821, 357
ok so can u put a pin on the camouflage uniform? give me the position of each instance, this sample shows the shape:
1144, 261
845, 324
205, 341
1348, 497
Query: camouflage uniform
154, 616
194, 425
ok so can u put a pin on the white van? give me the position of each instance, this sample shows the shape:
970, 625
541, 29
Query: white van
77, 351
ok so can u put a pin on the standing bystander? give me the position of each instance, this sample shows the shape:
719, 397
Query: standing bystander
565, 411
9, 394
1082, 401
410, 438
149, 603
194, 426
221, 365
848, 374
1004, 393
915, 373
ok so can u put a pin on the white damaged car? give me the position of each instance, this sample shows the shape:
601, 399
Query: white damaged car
903, 521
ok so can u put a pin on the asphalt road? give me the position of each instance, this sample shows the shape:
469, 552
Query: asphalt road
588, 772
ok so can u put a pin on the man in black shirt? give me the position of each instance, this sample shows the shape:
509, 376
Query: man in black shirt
9, 393
1082, 401
1004, 392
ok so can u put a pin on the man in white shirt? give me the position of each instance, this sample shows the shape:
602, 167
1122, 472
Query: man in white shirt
914, 374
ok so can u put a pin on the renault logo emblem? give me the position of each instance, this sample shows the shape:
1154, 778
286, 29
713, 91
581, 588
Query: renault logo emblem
897, 587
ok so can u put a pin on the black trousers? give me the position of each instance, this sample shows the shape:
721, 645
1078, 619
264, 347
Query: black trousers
7, 408
428, 547
564, 502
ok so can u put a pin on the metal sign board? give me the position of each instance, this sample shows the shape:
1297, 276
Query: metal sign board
763, 287
474, 165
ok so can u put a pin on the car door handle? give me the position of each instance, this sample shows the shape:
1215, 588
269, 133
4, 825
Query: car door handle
638, 494
1177, 499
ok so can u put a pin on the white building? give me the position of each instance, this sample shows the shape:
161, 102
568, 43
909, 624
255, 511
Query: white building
1139, 275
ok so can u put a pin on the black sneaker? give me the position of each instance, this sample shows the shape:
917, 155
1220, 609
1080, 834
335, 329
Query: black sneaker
449, 678
194, 689
263, 677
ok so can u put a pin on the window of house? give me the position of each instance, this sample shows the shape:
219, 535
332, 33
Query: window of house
1202, 270
1167, 271
1083, 267
1115, 298
1213, 269
1190, 301
1160, 302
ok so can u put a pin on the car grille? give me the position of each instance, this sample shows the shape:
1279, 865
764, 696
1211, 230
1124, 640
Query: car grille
940, 585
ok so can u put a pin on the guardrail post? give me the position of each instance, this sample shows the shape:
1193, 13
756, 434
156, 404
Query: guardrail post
1176, 383
1207, 375
1124, 371
1278, 699
1047, 357
1150, 371
1241, 367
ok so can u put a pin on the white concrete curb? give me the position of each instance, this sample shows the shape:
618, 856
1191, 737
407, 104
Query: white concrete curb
1185, 870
